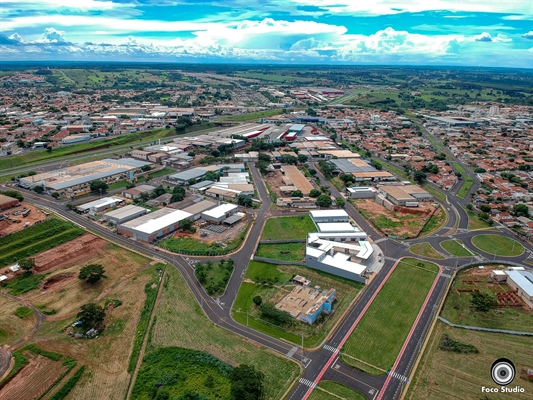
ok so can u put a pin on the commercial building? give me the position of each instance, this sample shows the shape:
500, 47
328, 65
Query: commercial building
75, 180
197, 209
521, 281
183, 177
220, 213
7, 202
152, 226
361, 192
305, 303
201, 187
75, 139
406, 195
124, 214
319, 216
137, 191
294, 177
361, 170
100, 204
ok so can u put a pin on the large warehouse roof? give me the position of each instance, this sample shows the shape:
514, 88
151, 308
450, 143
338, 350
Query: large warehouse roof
220, 211
125, 212
128, 162
328, 214
193, 173
157, 220
105, 201
349, 165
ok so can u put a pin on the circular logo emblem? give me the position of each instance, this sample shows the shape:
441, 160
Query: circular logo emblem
502, 371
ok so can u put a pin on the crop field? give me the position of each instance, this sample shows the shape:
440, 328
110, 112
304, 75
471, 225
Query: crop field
285, 251
63, 292
426, 250
12, 327
457, 305
176, 371
259, 280
296, 227
380, 334
499, 245
252, 116
180, 322
456, 248
448, 375
332, 391
35, 239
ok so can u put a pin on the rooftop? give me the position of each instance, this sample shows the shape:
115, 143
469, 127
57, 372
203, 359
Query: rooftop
157, 220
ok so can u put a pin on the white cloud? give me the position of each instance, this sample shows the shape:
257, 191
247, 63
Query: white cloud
483, 37
16, 37
53, 35
528, 35
85, 5
502, 38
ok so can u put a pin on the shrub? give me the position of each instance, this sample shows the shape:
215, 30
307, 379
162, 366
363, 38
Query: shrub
448, 344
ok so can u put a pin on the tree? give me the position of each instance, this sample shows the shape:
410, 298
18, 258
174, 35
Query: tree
521, 210
311, 112
377, 165
419, 176
323, 200
485, 208
263, 157
158, 191
48, 149
55, 195
91, 316
215, 153
244, 200
146, 168
312, 171
247, 383
469, 207
302, 158
314, 193
186, 224
27, 264
297, 193
98, 186
91, 273
13, 193
39, 189
340, 202
178, 194
258, 300
289, 159
483, 302
327, 168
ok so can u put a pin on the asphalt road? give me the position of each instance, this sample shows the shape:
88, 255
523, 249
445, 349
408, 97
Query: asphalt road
323, 363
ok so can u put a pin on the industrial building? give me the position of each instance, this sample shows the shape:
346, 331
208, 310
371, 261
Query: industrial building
152, 226
197, 209
361, 192
100, 205
305, 303
361, 170
183, 177
75, 180
75, 139
218, 214
7, 202
521, 280
124, 214
294, 177
137, 191
319, 216
406, 195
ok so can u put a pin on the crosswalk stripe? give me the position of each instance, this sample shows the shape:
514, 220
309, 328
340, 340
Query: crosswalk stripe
330, 348
306, 382
399, 376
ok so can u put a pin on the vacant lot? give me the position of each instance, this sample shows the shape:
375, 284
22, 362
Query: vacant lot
499, 245
457, 305
285, 251
456, 247
9, 226
252, 116
475, 223
426, 250
296, 227
13, 328
448, 375
380, 334
272, 283
180, 322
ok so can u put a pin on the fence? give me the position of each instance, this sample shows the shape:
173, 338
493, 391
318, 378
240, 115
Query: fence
281, 241
477, 328
278, 262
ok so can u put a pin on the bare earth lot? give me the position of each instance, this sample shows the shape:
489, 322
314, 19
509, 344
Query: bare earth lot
7, 226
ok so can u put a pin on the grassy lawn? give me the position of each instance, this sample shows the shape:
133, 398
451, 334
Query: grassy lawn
286, 251
214, 277
448, 375
296, 227
456, 248
265, 279
380, 334
434, 192
35, 239
436, 221
337, 389
117, 185
426, 250
458, 311
180, 322
475, 223
499, 245
252, 116
467, 184
12, 326
163, 172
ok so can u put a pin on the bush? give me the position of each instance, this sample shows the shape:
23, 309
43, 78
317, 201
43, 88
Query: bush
23, 312
48, 354
448, 344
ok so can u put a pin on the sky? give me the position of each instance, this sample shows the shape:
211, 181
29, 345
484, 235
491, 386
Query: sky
488, 33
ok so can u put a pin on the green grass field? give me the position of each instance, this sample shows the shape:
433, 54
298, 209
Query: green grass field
296, 227
499, 245
35, 239
264, 275
252, 116
475, 223
448, 375
455, 247
426, 250
337, 390
436, 222
380, 334
216, 276
467, 183
285, 251
458, 311
180, 322
163, 172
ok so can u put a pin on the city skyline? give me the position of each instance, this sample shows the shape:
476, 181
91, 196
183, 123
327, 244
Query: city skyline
390, 32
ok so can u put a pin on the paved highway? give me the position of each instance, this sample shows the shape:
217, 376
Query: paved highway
323, 363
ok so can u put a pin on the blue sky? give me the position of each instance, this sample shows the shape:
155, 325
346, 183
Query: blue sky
424, 32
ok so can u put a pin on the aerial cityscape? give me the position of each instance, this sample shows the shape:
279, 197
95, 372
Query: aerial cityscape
273, 200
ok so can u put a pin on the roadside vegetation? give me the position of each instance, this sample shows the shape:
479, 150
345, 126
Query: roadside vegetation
330, 390
294, 227
498, 245
282, 251
456, 248
214, 277
426, 250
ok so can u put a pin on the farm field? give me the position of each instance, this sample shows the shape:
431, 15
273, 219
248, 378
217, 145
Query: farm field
180, 322
286, 251
499, 245
456, 248
457, 305
296, 227
448, 375
36, 239
337, 390
260, 279
12, 327
176, 371
380, 334
426, 250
